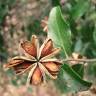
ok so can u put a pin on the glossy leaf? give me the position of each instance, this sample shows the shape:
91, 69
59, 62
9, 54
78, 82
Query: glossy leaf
69, 81
59, 30
79, 68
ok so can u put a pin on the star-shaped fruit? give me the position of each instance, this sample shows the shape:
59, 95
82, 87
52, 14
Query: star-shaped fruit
38, 61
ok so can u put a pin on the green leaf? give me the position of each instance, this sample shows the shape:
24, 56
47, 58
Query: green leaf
69, 81
55, 2
4, 8
79, 9
87, 31
1, 41
94, 34
3, 12
91, 72
59, 30
72, 2
79, 68
78, 46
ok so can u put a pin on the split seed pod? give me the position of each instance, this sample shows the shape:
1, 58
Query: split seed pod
38, 61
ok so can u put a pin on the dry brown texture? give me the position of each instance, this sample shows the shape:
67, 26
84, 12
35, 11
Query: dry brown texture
19, 18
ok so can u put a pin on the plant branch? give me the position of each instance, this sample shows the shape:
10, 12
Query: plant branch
80, 60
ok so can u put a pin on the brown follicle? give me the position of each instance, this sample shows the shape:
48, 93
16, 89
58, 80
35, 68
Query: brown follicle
29, 48
37, 61
51, 66
13, 63
37, 77
47, 48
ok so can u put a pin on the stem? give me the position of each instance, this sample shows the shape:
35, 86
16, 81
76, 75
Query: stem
80, 60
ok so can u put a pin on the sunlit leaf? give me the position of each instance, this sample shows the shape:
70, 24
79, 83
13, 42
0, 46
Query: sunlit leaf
59, 30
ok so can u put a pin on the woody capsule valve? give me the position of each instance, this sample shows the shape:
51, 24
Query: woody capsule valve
38, 61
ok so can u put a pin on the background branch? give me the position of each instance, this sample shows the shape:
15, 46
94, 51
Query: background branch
80, 60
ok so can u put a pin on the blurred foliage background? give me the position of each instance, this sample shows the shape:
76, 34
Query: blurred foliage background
19, 19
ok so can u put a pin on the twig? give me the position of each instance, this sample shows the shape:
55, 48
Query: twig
80, 60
